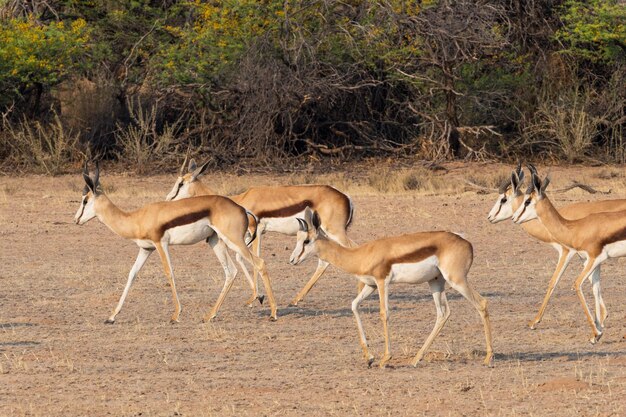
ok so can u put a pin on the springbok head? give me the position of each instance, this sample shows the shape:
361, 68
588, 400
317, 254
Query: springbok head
306, 238
91, 192
509, 190
534, 194
187, 184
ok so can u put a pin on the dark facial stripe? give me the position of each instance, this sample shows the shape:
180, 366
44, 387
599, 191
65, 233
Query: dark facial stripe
498, 212
177, 190
184, 219
285, 211
82, 211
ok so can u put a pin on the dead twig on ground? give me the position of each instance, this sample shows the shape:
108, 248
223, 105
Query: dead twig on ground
583, 187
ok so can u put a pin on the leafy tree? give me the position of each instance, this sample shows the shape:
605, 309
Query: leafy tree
594, 29
39, 56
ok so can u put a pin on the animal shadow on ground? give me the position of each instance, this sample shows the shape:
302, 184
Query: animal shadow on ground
9, 326
300, 311
562, 356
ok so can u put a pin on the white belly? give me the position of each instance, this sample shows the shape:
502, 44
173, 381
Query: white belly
415, 273
145, 244
286, 225
189, 234
616, 249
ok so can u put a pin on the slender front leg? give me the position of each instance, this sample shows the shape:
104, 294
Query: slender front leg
383, 295
365, 292
229, 275
589, 268
437, 287
321, 267
565, 256
142, 256
164, 254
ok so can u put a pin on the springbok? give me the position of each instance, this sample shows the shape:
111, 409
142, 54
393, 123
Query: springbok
510, 198
277, 208
432, 257
218, 220
597, 237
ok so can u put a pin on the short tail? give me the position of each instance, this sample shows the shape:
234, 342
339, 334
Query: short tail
351, 214
461, 235
256, 226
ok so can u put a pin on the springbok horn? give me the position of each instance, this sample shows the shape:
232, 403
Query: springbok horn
303, 226
182, 168
96, 176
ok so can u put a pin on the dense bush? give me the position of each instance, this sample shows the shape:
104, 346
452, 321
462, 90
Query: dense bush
272, 81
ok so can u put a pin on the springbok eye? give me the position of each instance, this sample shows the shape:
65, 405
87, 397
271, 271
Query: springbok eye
527, 202
307, 241
503, 200
180, 184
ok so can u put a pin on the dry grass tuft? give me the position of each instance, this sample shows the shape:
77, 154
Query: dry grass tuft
43, 148
491, 180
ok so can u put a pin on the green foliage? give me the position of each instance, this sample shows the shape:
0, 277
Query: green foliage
32, 53
594, 29
219, 33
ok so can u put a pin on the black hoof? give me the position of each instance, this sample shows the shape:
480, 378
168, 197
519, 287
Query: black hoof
109, 321
370, 362
261, 298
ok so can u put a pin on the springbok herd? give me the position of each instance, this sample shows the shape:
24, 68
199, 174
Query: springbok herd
319, 216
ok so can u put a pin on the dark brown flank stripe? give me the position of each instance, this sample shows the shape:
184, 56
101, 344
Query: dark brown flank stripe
411, 257
285, 211
615, 237
184, 219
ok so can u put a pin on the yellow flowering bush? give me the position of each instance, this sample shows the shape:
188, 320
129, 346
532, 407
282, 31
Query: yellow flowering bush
33, 53
220, 32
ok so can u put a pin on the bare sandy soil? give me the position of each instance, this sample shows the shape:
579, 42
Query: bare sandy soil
60, 281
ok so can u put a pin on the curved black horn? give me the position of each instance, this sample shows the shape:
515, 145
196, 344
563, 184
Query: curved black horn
303, 226
96, 176
182, 168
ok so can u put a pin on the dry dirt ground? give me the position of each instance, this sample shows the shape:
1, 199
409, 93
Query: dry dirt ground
59, 282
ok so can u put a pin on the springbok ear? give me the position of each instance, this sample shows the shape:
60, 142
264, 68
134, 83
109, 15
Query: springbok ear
536, 182
531, 186
302, 224
514, 180
308, 217
544, 185
89, 183
200, 171
192, 165
316, 220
